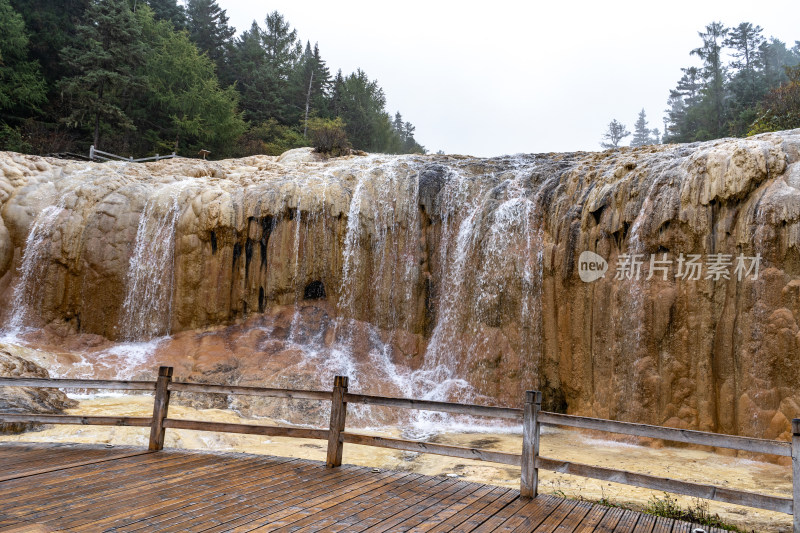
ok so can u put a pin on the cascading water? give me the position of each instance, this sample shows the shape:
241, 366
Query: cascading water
28, 291
147, 309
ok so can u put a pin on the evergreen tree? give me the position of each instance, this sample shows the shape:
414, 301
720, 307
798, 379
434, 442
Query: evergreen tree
310, 81
361, 104
398, 124
780, 109
746, 85
713, 72
641, 133
250, 72
51, 25
208, 28
283, 51
614, 134
21, 84
184, 107
22, 87
169, 10
106, 56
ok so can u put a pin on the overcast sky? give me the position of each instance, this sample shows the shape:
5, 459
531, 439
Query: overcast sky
501, 77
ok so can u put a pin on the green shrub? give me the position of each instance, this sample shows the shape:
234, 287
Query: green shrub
328, 136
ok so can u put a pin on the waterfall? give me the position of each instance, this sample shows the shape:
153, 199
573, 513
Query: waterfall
28, 292
147, 309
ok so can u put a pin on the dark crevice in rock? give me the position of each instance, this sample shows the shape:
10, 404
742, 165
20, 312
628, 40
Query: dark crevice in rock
314, 291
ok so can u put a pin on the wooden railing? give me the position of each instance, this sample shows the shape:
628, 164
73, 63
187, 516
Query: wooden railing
531, 416
99, 155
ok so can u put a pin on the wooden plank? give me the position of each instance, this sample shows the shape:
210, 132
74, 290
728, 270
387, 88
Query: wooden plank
627, 522
431, 496
708, 492
259, 512
66, 466
252, 391
552, 520
430, 515
645, 523
160, 409
311, 514
116, 486
590, 522
324, 521
472, 508
393, 505
107, 508
56, 488
663, 525
575, 517
15, 490
681, 527
84, 505
290, 514
197, 506
446, 407
528, 515
79, 420
78, 384
428, 447
610, 520
223, 427
529, 483
200, 508
338, 418
225, 502
688, 436
509, 500
453, 509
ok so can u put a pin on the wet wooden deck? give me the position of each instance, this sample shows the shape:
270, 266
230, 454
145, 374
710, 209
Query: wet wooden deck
56, 487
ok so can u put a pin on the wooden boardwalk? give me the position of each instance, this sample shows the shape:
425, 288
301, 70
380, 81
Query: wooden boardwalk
70, 487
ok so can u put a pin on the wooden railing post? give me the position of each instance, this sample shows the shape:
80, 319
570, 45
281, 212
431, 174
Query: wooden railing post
338, 416
796, 475
529, 484
160, 408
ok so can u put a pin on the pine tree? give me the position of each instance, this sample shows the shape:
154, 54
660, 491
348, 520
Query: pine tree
249, 69
51, 25
183, 107
21, 84
713, 117
283, 52
310, 81
22, 87
641, 133
614, 134
208, 28
106, 55
169, 10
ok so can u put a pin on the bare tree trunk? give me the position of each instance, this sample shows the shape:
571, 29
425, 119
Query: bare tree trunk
308, 102
97, 119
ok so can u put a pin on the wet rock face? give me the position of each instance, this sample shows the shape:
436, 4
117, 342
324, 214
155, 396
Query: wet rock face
26, 400
467, 270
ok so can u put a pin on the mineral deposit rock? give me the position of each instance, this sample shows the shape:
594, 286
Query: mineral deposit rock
446, 276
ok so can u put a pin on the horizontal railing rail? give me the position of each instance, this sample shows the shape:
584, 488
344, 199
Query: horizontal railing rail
531, 416
95, 154
41, 383
687, 436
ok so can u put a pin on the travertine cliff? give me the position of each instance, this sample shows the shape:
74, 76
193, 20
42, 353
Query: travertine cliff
462, 274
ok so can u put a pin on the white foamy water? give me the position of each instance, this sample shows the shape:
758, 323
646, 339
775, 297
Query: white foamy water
28, 292
147, 309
